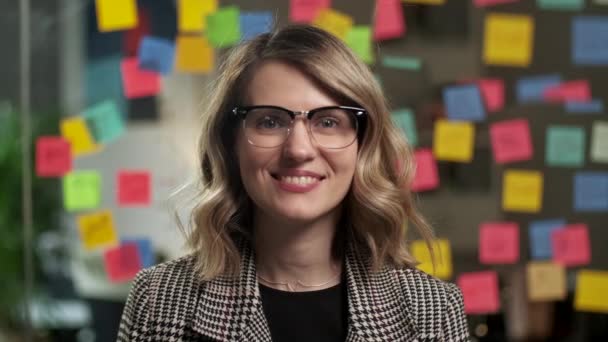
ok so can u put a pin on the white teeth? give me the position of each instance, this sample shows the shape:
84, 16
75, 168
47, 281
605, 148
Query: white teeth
299, 180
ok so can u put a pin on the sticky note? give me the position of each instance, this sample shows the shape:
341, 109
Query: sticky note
97, 230
493, 93
103, 81
134, 188
511, 141
578, 90
76, 132
359, 39
389, 22
546, 281
403, 62
145, 249
570, 245
404, 119
568, 5
453, 140
427, 176
540, 237
508, 40
463, 102
599, 142
192, 14
53, 156
593, 106
156, 54
305, 11
255, 23
486, 3
590, 40
81, 190
565, 146
591, 191
498, 243
224, 27
116, 15
522, 191
443, 258
425, 2
334, 22
531, 89
122, 262
105, 121
194, 55
137, 82
591, 294
480, 292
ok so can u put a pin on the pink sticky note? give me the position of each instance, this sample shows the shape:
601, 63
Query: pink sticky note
484, 3
569, 91
389, 22
427, 177
498, 243
511, 141
138, 82
122, 263
493, 92
53, 156
570, 245
134, 188
304, 11
480, 292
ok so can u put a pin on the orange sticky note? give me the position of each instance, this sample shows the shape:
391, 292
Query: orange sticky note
522, 191
480, 292
97, 230
334, 22
194, 54
508, 39
76, 132
591, 294
570, 245
511, 141
192, 14
453, 140
546, 281
389, 21
116, 15
53, 156
427, 176
498, 243
443, 258
579, 91
305, 11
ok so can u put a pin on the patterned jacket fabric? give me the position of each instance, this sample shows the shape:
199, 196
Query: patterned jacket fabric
168, 303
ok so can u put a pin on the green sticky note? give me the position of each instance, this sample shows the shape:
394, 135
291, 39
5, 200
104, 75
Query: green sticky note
407, 63
224, 27
567, 5
359, 38
81, 190
404, 119
565, 146
105, 121
599, 142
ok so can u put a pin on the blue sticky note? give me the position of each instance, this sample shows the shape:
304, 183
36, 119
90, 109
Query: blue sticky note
404, 119
255, 23
540, 237
591, 107
105, 121
103, 81
156, 54
531, 89
565, 146
590, 40
567, 5
591, 191
463, 102
146, 251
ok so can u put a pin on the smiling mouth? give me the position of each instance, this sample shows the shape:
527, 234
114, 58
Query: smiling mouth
297, 180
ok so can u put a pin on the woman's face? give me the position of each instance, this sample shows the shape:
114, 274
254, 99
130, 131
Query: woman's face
268, 174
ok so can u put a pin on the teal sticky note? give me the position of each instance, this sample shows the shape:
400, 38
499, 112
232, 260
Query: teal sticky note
565, 146
224, 27
105, 121
81, 190
103, 81
404, 119
566, 5
407, 63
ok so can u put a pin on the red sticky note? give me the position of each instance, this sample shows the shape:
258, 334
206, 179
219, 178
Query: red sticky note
427, 177
485, 3
134, 188
493, 93
511, 141
570, 245
389, 21
579, 91
122, 263
304, 11
498, 243
480, 292
138, 82
53, 156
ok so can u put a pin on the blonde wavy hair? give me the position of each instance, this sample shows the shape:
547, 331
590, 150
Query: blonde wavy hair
379, 204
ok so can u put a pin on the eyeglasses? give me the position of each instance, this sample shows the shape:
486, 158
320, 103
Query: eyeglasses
332, 127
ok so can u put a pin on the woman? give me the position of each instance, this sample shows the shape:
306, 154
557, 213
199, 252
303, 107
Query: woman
299, 232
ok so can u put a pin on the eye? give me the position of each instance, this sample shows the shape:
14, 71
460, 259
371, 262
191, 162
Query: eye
270, 122
328, 122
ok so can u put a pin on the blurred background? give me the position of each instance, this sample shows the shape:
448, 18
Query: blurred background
503, 101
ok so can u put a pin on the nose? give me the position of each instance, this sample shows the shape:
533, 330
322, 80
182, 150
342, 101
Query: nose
299, 145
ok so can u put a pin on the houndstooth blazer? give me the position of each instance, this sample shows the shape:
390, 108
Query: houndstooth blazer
168, 303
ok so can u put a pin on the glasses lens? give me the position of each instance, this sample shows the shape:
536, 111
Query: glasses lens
267, 127
334, 128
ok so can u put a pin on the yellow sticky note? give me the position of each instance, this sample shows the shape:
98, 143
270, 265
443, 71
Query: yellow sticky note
116, 15
591, 291
334, 22
192, 14
443, 258
194, 54
76, 131
522, 191
425, 2
97, 230
546, 281
508, 40
453, 140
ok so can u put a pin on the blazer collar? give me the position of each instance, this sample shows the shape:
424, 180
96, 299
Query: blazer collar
230, 308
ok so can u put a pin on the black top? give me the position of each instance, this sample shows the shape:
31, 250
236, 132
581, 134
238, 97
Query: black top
306, 316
